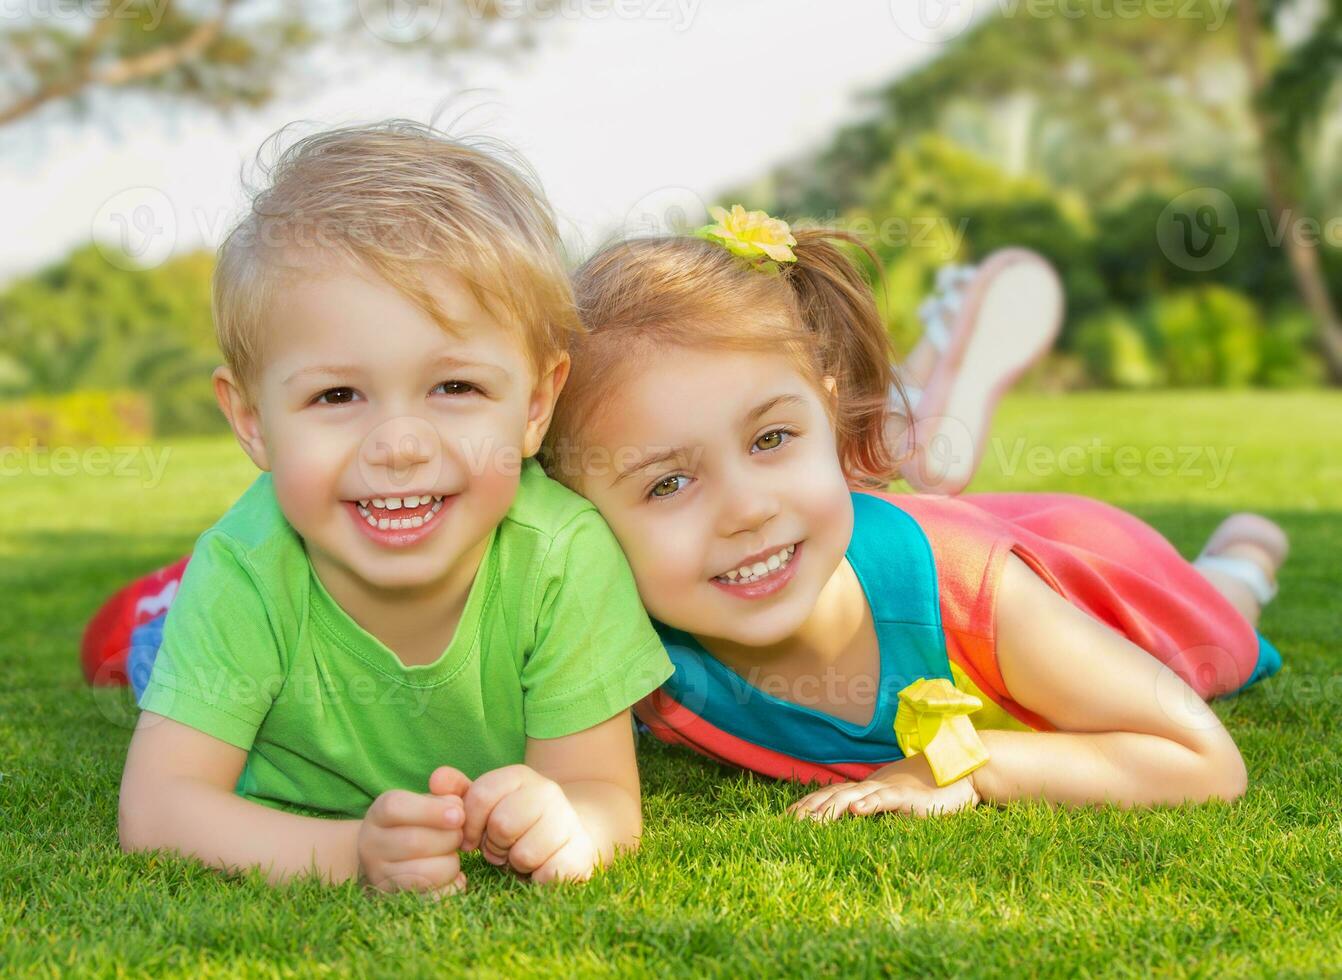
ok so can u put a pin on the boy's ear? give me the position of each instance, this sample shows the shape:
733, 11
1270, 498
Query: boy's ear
542, 406
242, 416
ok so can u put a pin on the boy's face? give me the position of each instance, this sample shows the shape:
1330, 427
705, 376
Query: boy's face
395, 447
741, 474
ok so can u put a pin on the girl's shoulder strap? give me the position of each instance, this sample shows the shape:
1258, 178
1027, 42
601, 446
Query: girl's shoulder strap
893, 559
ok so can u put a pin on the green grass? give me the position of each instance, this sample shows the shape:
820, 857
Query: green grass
724, 883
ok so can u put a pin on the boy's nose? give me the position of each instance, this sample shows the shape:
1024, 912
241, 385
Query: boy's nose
399, 444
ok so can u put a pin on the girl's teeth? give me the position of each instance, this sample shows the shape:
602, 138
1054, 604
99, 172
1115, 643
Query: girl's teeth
751, 573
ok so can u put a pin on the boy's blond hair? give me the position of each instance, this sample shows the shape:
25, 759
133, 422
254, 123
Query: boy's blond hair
404, 201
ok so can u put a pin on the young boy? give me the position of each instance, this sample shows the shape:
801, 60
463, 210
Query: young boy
402, 626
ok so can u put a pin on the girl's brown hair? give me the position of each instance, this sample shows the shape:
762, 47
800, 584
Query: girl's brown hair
645, 295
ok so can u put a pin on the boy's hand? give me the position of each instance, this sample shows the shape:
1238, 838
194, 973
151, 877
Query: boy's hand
905, 786
518, 818
410, 841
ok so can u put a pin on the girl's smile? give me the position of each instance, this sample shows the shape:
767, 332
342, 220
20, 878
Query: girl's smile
762, 574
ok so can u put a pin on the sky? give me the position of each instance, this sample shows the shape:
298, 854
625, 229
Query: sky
626, 108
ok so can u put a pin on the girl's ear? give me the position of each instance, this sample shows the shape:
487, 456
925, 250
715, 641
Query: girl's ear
242, 416
542, 406
831, 385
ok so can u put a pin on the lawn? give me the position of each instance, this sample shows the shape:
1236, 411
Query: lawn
723, 883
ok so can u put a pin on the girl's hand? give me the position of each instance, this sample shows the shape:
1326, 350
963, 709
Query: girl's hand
905, 786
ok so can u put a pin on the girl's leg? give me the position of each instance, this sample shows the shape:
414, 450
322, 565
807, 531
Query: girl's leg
1241, 560
983, 329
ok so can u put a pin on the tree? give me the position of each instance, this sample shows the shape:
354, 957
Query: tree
1287, 104
226, 53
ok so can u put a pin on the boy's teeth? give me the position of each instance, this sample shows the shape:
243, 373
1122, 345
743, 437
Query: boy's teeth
757, 570
396, 503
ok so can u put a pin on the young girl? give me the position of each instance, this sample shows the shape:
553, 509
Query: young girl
915, 653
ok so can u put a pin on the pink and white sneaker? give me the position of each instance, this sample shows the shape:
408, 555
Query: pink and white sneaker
988, 324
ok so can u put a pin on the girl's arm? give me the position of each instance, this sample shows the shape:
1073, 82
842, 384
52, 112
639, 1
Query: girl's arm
177, 794
1133, 734
568, 810
1136, 734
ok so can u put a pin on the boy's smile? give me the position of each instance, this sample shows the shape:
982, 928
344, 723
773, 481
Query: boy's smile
398, 522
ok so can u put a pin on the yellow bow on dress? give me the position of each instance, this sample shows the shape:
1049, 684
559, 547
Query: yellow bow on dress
933, 718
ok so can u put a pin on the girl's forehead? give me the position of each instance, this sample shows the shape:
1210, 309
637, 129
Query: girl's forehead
696, 396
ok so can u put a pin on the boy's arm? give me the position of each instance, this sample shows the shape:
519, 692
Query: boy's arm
569, 809
177, 794
1134, 732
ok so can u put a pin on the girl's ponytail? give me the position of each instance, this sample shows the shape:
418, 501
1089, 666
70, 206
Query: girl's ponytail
836, 304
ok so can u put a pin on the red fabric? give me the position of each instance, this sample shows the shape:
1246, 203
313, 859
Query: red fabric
1101, 559
107, 638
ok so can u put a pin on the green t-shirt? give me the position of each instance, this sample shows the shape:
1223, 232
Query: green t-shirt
552, 640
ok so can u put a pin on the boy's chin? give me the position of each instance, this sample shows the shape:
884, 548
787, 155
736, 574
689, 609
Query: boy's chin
400, 573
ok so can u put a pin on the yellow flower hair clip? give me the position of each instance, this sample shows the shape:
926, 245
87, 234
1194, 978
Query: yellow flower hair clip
753, 235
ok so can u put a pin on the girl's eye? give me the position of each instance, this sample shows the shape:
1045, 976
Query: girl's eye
666, 486
772, 439
337, 396
454, 388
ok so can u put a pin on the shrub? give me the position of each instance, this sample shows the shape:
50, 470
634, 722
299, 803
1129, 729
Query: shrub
1208, 336
84, 418
1116, 352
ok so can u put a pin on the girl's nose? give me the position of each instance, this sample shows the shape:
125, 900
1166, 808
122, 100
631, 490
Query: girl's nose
747, 506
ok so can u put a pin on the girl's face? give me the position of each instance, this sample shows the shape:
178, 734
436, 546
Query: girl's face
718, 472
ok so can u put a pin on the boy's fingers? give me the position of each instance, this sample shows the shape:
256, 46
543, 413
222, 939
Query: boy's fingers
446, 781
402, 808
421, 874
537, 844
455, 888
572, 862
515, 815
411, 843
483, 796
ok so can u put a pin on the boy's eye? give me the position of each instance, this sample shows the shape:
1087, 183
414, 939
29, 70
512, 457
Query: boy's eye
666, 486
772, 440
454, 388
337, 396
